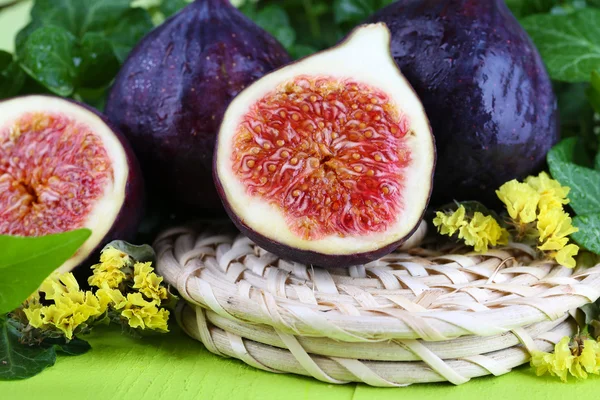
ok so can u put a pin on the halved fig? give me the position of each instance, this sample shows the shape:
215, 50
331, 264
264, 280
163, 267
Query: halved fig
63, 167
329, 160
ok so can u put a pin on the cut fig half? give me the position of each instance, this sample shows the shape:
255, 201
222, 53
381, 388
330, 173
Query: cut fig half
62, 167
328, 161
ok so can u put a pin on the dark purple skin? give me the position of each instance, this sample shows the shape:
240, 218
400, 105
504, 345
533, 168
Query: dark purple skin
127, 222
170, 96
305, 256
484, 87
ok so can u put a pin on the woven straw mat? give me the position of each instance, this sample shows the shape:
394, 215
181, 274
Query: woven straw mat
426, 314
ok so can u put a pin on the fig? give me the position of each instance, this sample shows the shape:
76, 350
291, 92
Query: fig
329, 160
170, 96
484, 87
63, 167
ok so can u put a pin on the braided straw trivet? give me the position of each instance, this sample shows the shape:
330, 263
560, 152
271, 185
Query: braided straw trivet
421, 315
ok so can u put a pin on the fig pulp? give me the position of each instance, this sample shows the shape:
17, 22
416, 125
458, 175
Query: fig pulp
63, 167
484, 87
171, 94
329, 160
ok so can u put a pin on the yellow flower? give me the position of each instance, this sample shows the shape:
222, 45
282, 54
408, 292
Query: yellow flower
521, 200
144, 314
563, 361
590, 356
68, 313
34, 316
147, 282
449, 224
112, 255
555, 223
108, 296
112, 277
552, 194
565, 256
481, 232
109, 270
56, 285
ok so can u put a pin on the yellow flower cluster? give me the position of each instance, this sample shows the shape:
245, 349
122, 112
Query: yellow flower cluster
541, 199
114, 277
72, 307
579, 360
109, 271
148, 283
480, 231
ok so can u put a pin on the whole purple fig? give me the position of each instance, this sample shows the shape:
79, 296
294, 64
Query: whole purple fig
170, 96
484, 87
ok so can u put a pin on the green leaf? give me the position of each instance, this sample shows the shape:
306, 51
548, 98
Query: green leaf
355, 11
588, 236
20, 361
26, 262
99, 65
523, 8
170, 7
593, 91
570, 150
143, 253
584, 183
12, 77
275, 20
48, 56
125, 33
74, 347
569, 44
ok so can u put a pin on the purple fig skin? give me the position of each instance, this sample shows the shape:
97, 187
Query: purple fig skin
170, 96
484, 87
308, 257
126, 224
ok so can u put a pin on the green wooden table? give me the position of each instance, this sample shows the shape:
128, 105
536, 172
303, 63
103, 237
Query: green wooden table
174, 367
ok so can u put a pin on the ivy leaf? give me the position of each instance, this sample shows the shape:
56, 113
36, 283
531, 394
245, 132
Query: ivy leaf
523, 8
12, 77
20, 361
143, 253
99, 65
569, 44
570, 150
593, 91
276, 21
125, 33
48, 56
355, 11
584, 183
588, 236
26, 262
170, 7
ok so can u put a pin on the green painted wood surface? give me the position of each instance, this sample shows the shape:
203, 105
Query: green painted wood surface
174, 367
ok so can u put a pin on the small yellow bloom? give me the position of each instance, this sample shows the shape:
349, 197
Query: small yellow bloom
481, 232
449, 224
57, 285
108, 296
147, 282
34, 316
112, 277
555, 223
565, 256
521, 200
552, 194
110, 254
590, 356
67, 315
565, 361
144, 314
